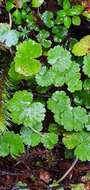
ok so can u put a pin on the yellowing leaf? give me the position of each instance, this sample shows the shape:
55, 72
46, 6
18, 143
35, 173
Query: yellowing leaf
82, 47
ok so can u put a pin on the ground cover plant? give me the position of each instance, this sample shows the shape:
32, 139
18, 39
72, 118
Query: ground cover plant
45, 81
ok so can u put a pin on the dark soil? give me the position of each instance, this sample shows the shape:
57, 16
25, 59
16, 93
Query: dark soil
38, 168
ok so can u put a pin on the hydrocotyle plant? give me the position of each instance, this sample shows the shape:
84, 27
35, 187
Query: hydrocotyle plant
69, 118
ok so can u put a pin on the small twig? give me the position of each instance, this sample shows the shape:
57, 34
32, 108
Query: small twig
10, 20
66, 173
2, 173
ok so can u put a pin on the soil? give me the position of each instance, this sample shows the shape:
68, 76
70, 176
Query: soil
38, 167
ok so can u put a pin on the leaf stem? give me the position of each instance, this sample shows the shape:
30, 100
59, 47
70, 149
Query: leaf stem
35, 131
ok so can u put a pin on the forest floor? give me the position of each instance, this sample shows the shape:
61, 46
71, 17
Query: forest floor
38, 168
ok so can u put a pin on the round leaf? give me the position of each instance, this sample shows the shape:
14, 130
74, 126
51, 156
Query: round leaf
76, 20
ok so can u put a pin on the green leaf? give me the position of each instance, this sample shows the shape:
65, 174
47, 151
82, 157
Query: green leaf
21, 99
58, 78
82, 47
46, 43
61, 14
87, 126
59, 57
86, 66
37, 3
74, 119
47, 18
31, 67
25, 62
11, 143
60, 32
73, 77
42, 38
80, 115
67, 22
7, 36
35, 139
74, 85
9, 5
59, 100
32, 47
86, 84
35, 115
83, 155
29, 137
65, 115
80, 141
13, 75
43, 34
73, 71
66, 5
82, 98
43, 76
3, 122
79, 186
49, 140
75, 10
17, 105
53, 128
76, 20
24, 111
19, 15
